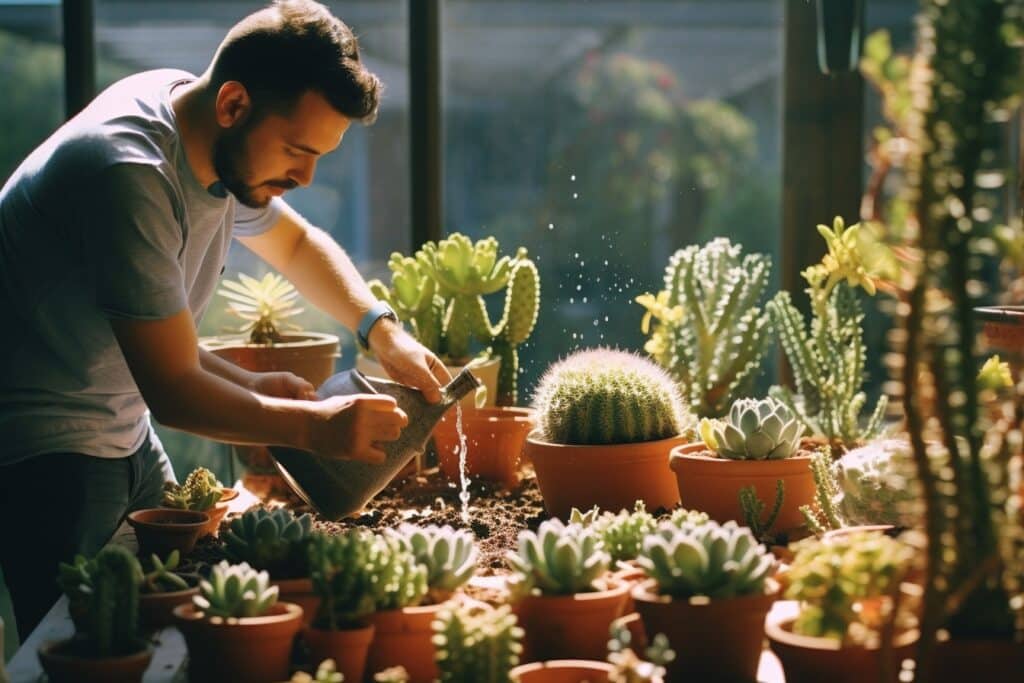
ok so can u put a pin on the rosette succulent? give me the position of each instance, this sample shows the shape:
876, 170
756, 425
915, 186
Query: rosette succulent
271, 540
558, 559
448, 555
235, 590
754, 429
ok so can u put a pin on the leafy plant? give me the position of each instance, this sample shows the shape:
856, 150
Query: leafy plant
754, 430
162, 579
265, 305
235, 590
604, 396
342, 568
476, 643
558, 560
709, 331
271, 540
448, 555
717, 561
629, 668
104, 599
201, 491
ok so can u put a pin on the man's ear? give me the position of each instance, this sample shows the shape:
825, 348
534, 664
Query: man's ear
233, 104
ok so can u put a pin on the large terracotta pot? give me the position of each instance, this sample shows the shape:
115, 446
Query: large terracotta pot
486, 372
612, 477
163, 530
252, 649
299, 592
403, 637
712, 484
347, 647
569, 626
714, 640
562, 671
64, 663
494, 442
809, 660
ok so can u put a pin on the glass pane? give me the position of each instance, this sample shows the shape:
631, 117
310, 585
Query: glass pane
603, 136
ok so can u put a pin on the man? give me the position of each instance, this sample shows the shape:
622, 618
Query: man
113, 234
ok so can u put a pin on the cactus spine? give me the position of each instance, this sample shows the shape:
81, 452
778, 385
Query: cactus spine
709, 330
602, 396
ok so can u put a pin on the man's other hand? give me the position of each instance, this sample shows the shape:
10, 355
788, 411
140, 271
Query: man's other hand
283, 385
407, 361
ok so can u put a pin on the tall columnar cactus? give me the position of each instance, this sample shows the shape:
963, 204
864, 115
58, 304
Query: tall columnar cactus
558, 560
717, 561
201, 491
754, 430
448, 555
342, 568
235, 590
104, 600
828, 360
602, 396
709, 330
440, 292
271, 540
476, 643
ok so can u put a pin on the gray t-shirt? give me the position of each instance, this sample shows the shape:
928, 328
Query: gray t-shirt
104, 220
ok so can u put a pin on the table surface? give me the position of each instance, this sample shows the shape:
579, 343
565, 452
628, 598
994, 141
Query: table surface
169, 652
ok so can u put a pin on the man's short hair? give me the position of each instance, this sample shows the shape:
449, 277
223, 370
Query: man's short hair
291, 47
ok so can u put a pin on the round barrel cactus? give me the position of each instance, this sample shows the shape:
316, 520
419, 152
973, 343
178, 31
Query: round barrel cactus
877, 484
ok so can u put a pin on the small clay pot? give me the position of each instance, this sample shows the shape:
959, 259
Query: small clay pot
301, 593
252, 649
156, 610
217, 512
494, 443
403, 637
347, 647
64, 662
563, 671
163, 530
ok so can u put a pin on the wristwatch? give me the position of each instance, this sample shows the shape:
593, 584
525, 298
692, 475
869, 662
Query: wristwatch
377, 311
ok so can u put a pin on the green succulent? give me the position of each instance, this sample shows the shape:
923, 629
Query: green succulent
605, 396
717, 561
449, 556
558, 559
621, 533
265, 305
235, 590
628, 667
274, 541
681, 516
342, 570
399, 580
754, 430
327, 672
103, 593
830, 577
201, 491
162, 579
476, 643
877, 484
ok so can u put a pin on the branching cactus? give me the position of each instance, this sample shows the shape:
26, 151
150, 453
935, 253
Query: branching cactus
558, 560
604, 396
476, 643
271, 540
235, 590
709, 330
754, 430
413, 296
201, 491
399, 579
621, 533
342, 570
753, 509
449, 556
877, 484
828, 359
629, 668
162, 579
824, 515
717, 561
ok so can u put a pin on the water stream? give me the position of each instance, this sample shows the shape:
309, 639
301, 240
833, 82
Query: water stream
463, 479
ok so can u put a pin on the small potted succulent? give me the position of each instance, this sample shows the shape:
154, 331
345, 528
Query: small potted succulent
163, 589
203, 493
709, 593
562, 592
606, 422
276, 541
476, 642
103, 595
848, 588
420, 570
236, 630
341, 568
757, 444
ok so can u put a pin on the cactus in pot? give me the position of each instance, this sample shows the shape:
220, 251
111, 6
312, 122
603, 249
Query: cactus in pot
754, 429
476, 643
448, 555
235, 590
201, 491
341, 568
274, 541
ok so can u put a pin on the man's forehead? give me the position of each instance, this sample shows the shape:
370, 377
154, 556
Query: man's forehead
314, 125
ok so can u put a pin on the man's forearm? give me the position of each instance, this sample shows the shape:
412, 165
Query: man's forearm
225, 369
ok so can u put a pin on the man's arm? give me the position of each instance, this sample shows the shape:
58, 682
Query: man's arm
211, 362
324, 274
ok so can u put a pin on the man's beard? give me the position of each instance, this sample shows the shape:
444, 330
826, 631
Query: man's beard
231, 163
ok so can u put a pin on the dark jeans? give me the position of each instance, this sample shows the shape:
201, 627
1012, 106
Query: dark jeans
57, 505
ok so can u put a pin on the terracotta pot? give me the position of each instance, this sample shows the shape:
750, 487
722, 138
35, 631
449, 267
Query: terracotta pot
486, 372
712, 484
494, 443
162, 530
562, 671
216, 513
959, 659
611, 477
253, 649
63, 663
156, 610
299, 592
569, 626
629, 574
714, 640
810, 660
1003, 327
347, 647
403, 637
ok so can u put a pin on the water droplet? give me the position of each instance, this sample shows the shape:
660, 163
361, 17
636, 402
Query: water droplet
573, 177
584, 299
579, 287
596, 322
551, 226
575, 195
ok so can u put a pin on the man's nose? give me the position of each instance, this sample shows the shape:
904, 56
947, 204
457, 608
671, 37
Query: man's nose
303, 174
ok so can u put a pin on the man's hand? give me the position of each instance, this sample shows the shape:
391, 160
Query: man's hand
407, 361
283, 385
353, 426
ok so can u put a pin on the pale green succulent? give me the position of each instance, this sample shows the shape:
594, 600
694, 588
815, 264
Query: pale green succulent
399, 580
717, 561
476, 643
235, 590
622, 533
754, 429
877, 484
271, 540
449, 556
558, 559
201, 491
343, 569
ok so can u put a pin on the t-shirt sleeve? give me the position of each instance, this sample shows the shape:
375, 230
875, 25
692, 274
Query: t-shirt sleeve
136, 240
250, 222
